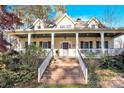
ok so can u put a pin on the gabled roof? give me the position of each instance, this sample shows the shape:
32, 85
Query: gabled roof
65, 15
37, 20
98, 23
93, 19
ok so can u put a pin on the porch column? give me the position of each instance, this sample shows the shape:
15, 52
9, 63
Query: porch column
20, 45
29, 38
52, 40
9, 40
102, 42
76, 43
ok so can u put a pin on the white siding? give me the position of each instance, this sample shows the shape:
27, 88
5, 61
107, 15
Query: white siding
65, 23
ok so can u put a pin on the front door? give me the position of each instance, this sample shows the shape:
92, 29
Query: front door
65, 47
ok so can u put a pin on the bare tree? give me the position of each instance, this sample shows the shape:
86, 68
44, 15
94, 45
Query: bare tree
111, 16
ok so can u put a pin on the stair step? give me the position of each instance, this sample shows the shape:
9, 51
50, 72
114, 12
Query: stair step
63, 71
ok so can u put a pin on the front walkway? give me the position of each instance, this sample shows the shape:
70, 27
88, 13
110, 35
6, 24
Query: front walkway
63, 71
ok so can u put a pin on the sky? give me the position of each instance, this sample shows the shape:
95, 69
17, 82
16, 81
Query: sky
88, 11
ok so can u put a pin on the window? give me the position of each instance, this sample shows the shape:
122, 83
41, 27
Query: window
106, 44
93, 26
65, 26
86, 45
98, 44
39, 27
45, 44
34, 43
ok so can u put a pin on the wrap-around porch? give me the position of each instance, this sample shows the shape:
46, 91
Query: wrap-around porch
66, 44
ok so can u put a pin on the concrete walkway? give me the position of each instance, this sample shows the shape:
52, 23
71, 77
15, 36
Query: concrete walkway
63, 71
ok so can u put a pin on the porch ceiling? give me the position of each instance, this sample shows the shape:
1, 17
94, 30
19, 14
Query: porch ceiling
98, 34
35, 36
69, 35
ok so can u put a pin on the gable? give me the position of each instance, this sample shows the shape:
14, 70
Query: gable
38, 24
65, 22
93, 23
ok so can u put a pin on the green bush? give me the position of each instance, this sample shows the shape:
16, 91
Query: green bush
7, 78
20, 69
115, 63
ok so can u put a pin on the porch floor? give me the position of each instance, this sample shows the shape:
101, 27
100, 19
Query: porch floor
63, 71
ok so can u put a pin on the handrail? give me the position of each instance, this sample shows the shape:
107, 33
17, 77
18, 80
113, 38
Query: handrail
83, 65
43, 66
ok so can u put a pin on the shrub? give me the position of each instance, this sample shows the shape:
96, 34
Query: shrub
116, 62
16, 70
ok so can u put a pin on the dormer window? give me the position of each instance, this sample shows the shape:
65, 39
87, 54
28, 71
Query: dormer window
39, 27
93, 26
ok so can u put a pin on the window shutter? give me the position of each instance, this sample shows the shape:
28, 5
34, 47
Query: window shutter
91, 44
40, 44
81, 44
49, 44
26, 44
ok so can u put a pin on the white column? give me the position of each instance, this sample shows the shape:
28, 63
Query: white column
9, 40
52, 43
20, 45
52, 40
76, 43
102, 42
29, 38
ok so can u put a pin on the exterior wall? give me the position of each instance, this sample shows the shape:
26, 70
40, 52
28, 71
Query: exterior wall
72, 41
65, 23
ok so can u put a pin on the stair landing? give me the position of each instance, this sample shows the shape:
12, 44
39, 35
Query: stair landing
63, 71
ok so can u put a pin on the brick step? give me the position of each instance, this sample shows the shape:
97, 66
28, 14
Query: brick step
63, 71
59, 75
66, 72
67, 80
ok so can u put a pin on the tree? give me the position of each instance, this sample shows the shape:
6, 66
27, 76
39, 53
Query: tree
60, 9
32, 12
7, 22
111, 17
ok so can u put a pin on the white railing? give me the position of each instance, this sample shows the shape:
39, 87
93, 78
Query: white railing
83, 66
66, 52
98, 52
43, 66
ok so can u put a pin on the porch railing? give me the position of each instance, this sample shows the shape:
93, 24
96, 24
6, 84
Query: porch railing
98, 52
44, 65
83, 66
66, 52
